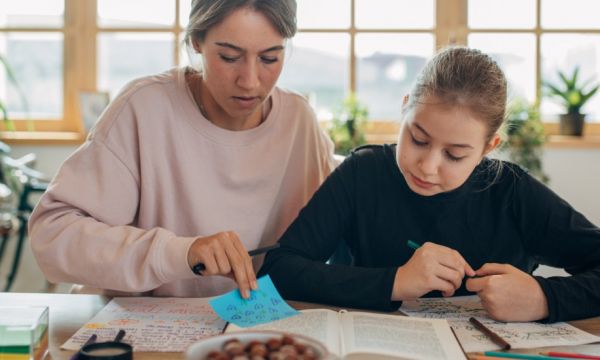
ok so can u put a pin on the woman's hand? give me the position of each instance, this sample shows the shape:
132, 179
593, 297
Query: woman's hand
509, 294
432, 267
224, 254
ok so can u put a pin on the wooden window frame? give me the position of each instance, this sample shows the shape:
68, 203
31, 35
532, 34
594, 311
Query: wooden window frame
80, 32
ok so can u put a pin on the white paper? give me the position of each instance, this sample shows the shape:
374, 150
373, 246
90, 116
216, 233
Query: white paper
398, 336
458, 310
152, 324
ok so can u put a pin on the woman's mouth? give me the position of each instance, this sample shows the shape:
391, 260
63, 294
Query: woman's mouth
246, 101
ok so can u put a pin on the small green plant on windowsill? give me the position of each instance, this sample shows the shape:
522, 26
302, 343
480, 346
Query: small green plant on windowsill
572, 94
526, 138
347, 128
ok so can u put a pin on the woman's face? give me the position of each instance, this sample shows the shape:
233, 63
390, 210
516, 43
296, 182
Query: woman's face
242, 59
439, 146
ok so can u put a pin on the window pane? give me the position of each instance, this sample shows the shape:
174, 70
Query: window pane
317, 65
515, 53
502, 14
404, 14
579, 14
31, 13
387, 67
563, 52
136, 13
185, 6
37, 61
123, 57
323, 14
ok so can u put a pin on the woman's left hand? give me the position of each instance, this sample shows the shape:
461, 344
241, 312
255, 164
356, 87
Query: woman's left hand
509, 294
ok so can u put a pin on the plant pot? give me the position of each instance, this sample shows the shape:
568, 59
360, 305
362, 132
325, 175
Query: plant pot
571, 124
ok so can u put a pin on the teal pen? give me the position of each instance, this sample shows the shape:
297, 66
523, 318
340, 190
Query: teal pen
413, 245
519, 356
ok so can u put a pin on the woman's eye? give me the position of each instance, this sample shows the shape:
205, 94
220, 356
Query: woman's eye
268, 60
229, 59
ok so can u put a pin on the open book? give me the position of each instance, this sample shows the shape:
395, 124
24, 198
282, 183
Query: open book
354, 335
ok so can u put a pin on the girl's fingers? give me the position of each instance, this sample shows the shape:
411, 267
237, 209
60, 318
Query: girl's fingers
451, 275
247, 260
239, 269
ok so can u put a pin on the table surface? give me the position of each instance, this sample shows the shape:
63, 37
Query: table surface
69, 312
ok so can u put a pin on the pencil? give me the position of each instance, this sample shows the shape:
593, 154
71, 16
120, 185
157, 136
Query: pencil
413, 245
200, 266
517, 356
92, 339
492, 335
120, 335
557, 354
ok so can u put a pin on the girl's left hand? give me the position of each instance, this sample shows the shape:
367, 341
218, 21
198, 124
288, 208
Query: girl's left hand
509, 294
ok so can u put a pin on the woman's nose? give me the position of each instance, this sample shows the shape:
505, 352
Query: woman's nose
248, 76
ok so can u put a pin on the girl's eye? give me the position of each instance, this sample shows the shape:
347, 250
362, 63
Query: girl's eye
268, 60
228, 59
417, 142
452, 157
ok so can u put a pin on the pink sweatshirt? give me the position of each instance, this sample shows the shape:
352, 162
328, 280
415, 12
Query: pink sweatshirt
154, 175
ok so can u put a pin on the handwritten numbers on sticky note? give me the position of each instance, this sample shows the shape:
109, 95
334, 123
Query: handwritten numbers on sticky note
264, 305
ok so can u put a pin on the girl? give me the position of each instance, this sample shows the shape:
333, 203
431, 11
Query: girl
189, 166
485, 219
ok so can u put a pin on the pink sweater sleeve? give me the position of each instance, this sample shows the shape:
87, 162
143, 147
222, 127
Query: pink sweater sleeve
86, 236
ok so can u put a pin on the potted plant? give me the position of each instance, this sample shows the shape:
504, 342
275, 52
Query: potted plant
347, 126
573, 95
525, 138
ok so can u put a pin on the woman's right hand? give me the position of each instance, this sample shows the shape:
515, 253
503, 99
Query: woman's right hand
432, 267
224, 254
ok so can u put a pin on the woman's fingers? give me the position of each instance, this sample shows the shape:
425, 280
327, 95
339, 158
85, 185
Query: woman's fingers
224, 254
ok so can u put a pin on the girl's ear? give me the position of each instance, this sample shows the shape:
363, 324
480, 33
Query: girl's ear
405, 100
492, 144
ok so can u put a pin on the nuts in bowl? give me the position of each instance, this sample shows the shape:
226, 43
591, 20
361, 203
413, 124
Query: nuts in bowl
257, 345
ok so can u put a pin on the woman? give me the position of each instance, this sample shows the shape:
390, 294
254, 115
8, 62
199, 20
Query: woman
189, 166
482, 226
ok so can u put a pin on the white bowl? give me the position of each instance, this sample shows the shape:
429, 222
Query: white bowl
199, 350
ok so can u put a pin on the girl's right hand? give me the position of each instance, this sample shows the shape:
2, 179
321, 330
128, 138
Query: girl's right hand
224, 254
432, 267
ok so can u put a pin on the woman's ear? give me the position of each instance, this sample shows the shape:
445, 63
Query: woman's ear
405, 100
492, 144
197, 46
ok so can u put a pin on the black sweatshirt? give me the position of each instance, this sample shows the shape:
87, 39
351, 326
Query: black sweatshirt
501, 217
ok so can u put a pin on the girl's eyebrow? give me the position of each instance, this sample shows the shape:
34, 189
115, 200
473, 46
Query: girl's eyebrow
239, 49
464, 146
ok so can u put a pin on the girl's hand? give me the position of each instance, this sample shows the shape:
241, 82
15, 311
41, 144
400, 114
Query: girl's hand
224, 254
432, 267
509, 294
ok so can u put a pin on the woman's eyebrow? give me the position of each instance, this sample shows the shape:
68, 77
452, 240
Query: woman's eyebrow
239, 49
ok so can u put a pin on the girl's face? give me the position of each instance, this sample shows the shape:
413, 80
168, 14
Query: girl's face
242, 60
439, 146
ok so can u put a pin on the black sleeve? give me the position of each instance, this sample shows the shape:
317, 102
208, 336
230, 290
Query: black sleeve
559, 236
299, 269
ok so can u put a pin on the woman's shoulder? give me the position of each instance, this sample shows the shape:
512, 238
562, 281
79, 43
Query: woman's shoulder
290, 98
148, 91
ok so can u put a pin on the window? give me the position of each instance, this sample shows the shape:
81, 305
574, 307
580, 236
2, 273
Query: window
372, 47
533, 39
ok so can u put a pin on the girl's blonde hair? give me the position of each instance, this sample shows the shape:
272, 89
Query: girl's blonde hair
460, 76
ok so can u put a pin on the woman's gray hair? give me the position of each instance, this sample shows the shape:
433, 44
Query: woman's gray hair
207, 13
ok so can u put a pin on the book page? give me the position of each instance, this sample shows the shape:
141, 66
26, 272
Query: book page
458, 310
152, 324
397, 336
319, 324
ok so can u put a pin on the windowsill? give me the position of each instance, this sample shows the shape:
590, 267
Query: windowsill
41, 138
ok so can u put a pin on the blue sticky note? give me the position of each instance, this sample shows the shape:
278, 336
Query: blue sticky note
263, 306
